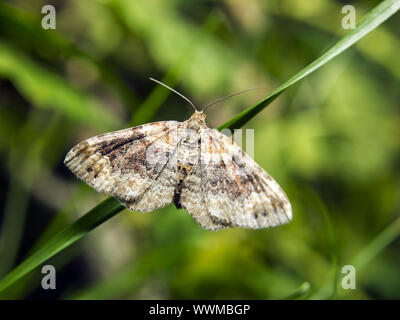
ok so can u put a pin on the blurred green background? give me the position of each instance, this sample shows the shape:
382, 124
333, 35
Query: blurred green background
332, 143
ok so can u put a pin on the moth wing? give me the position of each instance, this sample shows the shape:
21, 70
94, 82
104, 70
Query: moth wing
191, 195
127, 163
237, 191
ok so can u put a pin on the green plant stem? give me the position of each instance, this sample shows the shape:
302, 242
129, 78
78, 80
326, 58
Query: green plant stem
372, 20
102, 212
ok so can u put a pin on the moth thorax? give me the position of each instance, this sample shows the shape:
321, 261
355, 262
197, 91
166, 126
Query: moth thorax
197, 121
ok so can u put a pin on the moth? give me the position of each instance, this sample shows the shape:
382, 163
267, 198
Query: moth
187, 163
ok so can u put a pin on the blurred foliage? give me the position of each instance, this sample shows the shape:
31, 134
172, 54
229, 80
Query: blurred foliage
332, 142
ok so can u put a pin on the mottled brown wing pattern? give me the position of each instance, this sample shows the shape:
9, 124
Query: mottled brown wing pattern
189, 194
199, 169
237, 191
127, 163
163, 187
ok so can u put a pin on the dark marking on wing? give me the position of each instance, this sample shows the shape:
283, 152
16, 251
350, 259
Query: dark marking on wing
107, 147
183, 171
177, 195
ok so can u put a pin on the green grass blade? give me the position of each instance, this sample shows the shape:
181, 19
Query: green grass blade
377, 245
372, 20
13, 224
48, 90
369, 252
317, 203
102, 212
111, 206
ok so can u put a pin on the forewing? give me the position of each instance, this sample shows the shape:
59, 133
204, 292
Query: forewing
127, 163
237, 191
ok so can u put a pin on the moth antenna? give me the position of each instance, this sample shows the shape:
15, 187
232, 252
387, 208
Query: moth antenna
231, 95
179, 94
